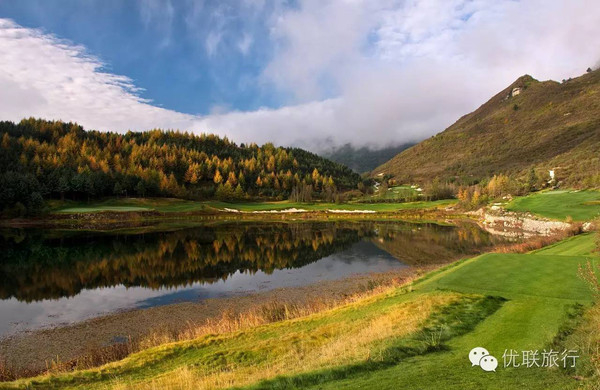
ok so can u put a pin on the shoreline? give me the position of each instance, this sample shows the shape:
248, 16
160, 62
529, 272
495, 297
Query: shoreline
106, 220
33, 351
95, 218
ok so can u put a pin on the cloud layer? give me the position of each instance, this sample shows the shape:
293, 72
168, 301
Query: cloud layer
364, 72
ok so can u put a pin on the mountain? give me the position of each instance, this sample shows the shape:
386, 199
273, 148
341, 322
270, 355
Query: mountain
363, 159
52, 159
531, 124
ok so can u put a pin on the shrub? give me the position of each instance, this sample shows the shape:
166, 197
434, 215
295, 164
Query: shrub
437, 190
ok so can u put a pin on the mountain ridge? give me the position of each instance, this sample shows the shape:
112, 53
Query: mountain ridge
544, 125
363, 159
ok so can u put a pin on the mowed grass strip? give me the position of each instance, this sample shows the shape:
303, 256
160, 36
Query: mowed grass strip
126, 204
265, 206
542, 291
581, 245
579, 205
518, 276
169, 205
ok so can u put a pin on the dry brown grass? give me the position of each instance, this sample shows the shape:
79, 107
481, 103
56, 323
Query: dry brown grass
587, 341
263, 314
330, 345
588, 335
539, 242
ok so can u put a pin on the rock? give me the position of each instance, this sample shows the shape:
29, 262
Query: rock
497, 219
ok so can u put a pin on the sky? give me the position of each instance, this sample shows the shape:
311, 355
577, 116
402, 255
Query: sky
309, 73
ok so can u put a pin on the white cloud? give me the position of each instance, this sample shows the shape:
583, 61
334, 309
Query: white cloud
406, 70
364, 72
43, 76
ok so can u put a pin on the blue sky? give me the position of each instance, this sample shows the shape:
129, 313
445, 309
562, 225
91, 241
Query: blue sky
166, 54
310, 73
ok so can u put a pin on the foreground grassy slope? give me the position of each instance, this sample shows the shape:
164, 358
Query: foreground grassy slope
344, 336
579, 205
549, 125
542, 291
417, 338
168, 205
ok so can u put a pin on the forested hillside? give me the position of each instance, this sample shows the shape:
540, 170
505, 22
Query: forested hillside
529, 126
52, 159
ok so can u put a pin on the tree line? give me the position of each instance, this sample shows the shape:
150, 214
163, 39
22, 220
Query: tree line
57, 160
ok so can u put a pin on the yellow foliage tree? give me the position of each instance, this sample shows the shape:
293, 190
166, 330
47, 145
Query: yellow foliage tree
218, 178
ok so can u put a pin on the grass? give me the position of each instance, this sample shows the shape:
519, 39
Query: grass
126, 204
582, 245
331, 206
579, 205
179, 205
400, 193
541, 290
415, 338
347, 335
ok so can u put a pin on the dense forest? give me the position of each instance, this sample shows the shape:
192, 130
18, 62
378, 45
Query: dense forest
53, 159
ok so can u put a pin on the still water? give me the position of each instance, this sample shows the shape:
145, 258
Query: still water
56, 277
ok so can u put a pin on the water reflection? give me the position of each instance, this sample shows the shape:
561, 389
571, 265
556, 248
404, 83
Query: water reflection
103, 272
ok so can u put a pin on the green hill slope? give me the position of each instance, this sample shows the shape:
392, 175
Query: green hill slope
546, 125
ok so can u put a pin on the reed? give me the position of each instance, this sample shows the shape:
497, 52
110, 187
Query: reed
228, 322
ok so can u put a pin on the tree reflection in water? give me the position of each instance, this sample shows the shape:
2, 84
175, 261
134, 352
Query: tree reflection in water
37, 265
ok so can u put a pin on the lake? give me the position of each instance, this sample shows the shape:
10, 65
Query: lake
52, 277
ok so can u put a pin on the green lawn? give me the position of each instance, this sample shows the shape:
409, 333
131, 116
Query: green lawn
126, 204
579, 205
581, 245
540, 289
396, 192
330, 206
534, 294
179, 205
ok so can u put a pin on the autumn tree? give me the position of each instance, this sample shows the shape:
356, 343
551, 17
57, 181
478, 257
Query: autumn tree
67, 161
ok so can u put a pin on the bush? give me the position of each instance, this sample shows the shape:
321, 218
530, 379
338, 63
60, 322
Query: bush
437, 190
